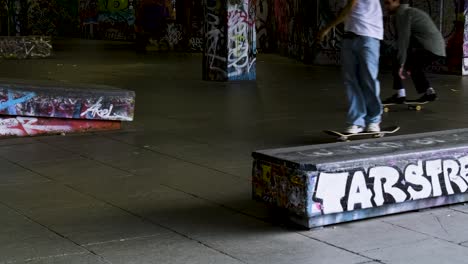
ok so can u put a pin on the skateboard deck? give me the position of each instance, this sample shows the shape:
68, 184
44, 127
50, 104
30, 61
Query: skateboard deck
411, 104
345, 136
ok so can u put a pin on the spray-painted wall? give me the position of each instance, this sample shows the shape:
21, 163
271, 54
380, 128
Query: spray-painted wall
107, 19
39, 17
289, 27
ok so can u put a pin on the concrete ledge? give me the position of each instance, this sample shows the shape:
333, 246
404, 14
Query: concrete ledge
30, 126
332, 183
25, 47
62, 100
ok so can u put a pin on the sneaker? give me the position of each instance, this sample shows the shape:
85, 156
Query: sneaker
353, 129
427, 98
373, 127
394, 99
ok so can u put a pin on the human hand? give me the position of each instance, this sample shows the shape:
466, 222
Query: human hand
402, 73
323, 33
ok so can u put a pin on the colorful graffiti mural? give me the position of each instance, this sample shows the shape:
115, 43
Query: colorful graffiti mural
60, 102
279, 185
116, 19
31, 126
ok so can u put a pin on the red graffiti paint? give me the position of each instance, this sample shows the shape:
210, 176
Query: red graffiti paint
31, 126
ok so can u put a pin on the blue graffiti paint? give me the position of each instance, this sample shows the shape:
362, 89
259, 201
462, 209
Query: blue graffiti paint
10, 103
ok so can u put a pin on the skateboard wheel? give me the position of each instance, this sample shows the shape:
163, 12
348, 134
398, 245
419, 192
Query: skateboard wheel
418, 108
386, 109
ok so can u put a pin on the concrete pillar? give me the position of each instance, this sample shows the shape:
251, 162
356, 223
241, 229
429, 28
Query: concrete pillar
465, 40
229, 40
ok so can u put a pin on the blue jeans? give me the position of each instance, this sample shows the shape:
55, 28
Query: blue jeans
360, 65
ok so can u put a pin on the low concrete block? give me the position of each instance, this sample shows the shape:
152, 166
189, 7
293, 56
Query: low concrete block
61, 100
332, 183
25, 47
31, 126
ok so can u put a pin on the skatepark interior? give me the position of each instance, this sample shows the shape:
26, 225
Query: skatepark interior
174, 185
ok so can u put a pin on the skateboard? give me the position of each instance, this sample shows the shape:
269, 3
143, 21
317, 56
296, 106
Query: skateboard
345, 136
412, 105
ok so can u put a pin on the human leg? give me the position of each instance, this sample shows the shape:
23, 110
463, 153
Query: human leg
418, 60
369, 55
350, 69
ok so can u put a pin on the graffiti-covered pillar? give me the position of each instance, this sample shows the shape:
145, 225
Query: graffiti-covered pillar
229, 40
465, 41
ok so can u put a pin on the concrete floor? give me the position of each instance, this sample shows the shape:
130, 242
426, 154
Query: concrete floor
174, 185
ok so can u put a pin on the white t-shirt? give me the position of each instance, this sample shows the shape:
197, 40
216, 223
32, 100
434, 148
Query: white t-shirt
366, 19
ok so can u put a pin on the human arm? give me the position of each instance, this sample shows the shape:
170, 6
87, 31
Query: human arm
339, 19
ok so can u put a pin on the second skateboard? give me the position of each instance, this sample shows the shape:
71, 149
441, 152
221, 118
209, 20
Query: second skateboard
412, 105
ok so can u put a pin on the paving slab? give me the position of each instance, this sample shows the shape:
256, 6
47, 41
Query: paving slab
365, 235
427, 251
22, 239
440, 223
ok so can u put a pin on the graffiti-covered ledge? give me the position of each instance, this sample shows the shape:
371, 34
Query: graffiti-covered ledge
63, 100
25, 47
332, 183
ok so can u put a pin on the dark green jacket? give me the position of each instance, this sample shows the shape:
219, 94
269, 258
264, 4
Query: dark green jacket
417, 27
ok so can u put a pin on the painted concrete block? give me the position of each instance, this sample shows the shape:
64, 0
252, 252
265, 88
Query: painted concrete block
25, 47
21, 126
60, 100
325, 184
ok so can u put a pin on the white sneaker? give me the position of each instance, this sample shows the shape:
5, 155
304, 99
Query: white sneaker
373, 127
353, 129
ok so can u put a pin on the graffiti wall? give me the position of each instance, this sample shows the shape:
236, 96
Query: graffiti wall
39, 17
66, 102
88, 14
289, 27
327, 184
12, 17
107, 19
262, 24
51, 18
116, 19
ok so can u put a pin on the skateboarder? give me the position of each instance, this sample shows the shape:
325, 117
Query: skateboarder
419, 43
360, 54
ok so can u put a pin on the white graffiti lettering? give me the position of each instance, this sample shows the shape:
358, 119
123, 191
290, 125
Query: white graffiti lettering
213, 40
21, 126
97, 109
239, 26
337, 192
